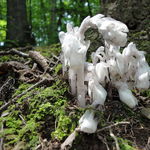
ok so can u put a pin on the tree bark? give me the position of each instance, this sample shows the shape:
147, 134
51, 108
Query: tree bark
132, 12
18, 29
53, 23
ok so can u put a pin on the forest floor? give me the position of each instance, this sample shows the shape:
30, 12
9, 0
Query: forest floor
38, 112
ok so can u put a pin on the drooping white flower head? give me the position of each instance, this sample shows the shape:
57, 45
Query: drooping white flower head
96, 91
126, 95
142, 77
88, 122
101, 72
99, 94
136, 66
73, 49
113, 31
142, 81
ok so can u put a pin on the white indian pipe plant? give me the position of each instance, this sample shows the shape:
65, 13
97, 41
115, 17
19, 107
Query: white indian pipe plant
124, 70
88, 122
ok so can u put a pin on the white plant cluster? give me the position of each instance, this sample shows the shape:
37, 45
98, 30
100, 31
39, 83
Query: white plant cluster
124, 70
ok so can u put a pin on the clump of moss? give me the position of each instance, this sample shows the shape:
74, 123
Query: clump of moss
125, 144
7, 58
47, 51
42, 111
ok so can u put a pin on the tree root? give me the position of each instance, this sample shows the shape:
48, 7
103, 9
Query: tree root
12, 52
38, 58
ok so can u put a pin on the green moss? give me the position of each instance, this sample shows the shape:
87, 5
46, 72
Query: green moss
145, 93
125, 144
65, 125
39, 107
21, 88
58, 68
47, 51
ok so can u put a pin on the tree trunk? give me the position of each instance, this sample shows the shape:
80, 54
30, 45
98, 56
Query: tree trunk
53, 23
18, 29
132, 12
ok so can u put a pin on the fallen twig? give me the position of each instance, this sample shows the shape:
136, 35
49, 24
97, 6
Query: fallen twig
24, 122
113, 125
104, 140
2, 108
69, 140
1, 139
14, 51
115, 139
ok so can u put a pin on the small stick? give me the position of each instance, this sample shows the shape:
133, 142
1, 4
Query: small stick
14, 51
20, 95
112, 125
115, 139
70, 139
24, 122
1, 139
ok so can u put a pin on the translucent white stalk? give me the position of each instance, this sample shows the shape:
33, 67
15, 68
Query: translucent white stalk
80, 86
73, 84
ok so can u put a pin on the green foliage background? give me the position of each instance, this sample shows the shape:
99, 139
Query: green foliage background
39, 16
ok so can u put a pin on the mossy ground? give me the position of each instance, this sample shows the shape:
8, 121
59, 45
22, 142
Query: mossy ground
43, 112
48, 112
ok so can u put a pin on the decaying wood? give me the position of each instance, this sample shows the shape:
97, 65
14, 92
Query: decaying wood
38, 58
12, 52
34, 67
26, 74
12, 65
68, 141
29, 75
47, 65
14, 99
112, 125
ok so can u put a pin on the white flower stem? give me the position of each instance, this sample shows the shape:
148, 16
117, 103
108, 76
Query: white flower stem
80, 86
73, 81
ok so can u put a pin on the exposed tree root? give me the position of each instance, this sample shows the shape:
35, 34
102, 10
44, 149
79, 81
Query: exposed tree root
12, 52
38, 58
